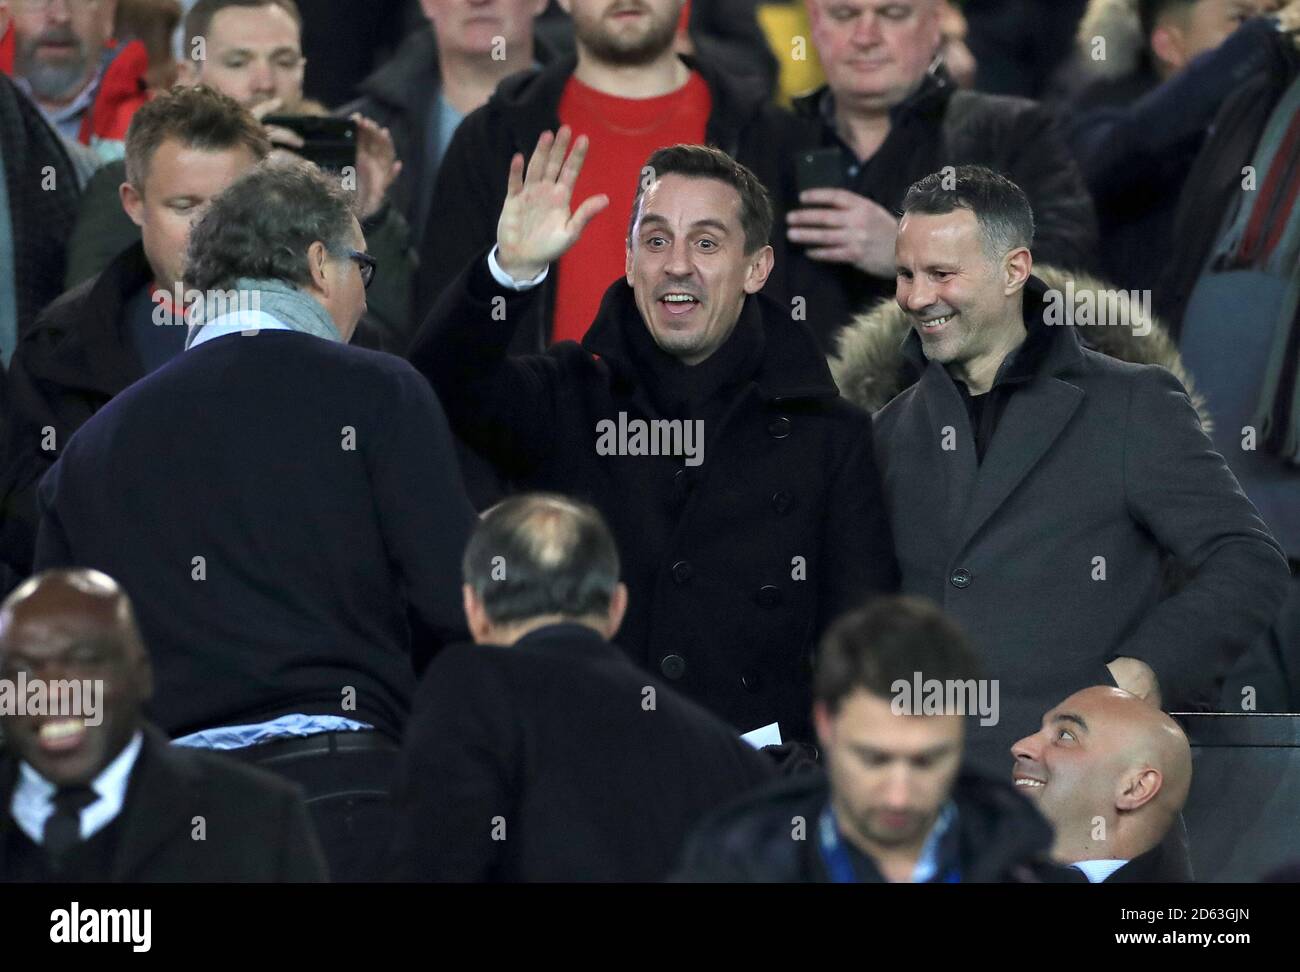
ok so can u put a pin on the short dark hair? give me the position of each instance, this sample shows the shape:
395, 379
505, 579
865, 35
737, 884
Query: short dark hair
199, 19
1150, 11
541, 554
197, 117
706, 162
263, 224
1000, 206
891, 638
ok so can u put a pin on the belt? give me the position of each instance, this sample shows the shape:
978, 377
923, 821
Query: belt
320, 744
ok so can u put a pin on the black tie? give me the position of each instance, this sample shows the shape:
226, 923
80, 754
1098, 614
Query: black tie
63, 827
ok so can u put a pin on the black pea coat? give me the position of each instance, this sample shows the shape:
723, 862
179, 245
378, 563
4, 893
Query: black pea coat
734, 566
591, 769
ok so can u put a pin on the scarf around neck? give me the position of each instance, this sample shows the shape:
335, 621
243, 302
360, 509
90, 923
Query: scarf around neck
276, 298
679, 390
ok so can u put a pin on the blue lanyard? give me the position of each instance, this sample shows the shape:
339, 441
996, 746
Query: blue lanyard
836, 857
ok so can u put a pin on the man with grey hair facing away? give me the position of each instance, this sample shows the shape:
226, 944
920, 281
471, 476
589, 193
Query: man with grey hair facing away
279, 506
544, 753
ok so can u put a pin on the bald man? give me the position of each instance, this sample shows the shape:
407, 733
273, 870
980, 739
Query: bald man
1111, 772
542, 753
89, 792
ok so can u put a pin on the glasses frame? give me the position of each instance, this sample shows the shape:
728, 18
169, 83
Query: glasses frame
367, 264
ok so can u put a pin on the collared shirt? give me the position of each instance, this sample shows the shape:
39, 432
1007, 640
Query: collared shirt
1098, 871
509, 282
930, 864
237, 322
67, 120
295, 726
33, 799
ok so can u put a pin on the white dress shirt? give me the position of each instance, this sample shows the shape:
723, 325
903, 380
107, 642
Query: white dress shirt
509, 282
1098, 871
33, 800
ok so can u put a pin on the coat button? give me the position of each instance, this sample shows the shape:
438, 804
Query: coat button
960, 577
768, 596
779, 427
752, 681
782, 501
673, 666
682, 572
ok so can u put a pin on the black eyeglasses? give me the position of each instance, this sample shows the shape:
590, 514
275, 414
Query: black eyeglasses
368, 265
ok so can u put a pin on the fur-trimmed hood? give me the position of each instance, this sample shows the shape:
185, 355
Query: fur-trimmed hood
869, 368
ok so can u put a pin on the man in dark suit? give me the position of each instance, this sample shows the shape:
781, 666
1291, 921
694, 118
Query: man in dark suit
280, 507
737, 556
894, 804
544, 754
1111, 773
1036, 486
90, 792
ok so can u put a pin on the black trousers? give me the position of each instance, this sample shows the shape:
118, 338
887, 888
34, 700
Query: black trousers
346, 778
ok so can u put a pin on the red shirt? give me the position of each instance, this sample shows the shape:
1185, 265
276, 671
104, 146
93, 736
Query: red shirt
623, 132
7, 50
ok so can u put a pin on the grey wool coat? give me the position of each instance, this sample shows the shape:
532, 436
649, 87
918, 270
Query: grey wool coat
1050, 553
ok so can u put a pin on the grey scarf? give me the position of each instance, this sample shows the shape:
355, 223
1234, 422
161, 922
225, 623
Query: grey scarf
275, 298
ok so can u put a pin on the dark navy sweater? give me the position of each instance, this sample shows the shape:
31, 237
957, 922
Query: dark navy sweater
318, 484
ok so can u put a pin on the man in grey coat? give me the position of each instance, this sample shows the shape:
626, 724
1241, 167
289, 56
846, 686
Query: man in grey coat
1036, 487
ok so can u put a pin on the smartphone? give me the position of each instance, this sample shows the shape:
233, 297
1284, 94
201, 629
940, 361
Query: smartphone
820, 169
329, 142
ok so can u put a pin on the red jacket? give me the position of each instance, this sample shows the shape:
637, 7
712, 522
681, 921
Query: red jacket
121, 91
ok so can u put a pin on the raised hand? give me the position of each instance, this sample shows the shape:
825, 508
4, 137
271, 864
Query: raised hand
536, 227
377, 165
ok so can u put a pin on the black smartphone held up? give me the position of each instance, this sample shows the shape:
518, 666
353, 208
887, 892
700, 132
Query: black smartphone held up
820, 169
329, 142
